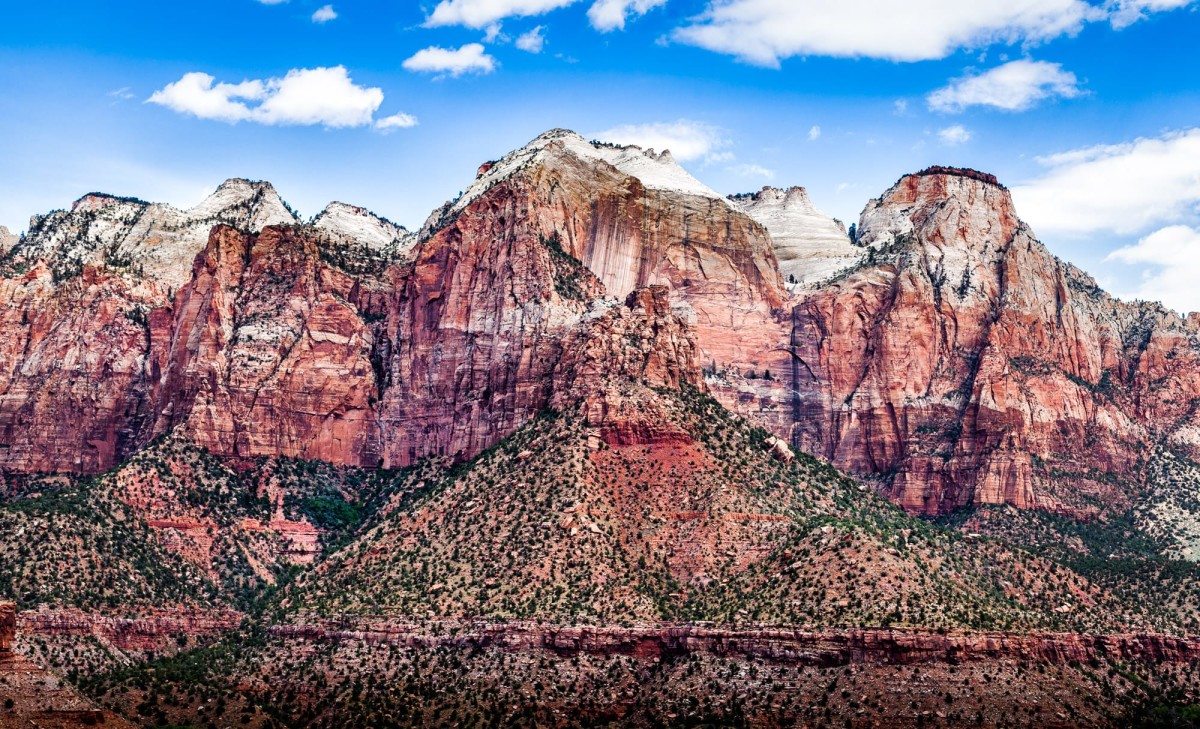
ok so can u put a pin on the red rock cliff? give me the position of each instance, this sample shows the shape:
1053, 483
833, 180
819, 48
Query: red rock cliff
8, 625
963, 363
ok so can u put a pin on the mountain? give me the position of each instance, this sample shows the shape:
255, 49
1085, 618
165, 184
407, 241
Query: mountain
810, 246
358, 226
961, 363
593, 417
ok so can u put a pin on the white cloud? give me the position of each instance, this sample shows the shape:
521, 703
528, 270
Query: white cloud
957, 134
396, 121
482, 13
1120, 188
814, 134
901, 106
196, 94
493, 33
764, 31
606, 15
687, 140
470, 58
752, 171
123, 93
324, 14
1128, 12
1015, 86
1173, 255
532, 41
304, 97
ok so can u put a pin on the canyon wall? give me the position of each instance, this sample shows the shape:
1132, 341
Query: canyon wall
961, 363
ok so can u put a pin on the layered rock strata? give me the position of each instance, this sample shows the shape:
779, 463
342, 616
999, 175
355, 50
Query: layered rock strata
778, 645
962, 363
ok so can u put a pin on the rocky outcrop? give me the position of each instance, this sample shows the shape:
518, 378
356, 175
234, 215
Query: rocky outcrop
962, 363
811, 246
285, 342
778, 645
956, 362
8, 625
643, 342
8, 240
150, 631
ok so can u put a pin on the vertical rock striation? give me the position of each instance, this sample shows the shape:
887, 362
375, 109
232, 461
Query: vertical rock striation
962, 363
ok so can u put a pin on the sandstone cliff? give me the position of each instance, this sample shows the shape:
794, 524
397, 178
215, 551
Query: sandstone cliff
955, 362
962, 363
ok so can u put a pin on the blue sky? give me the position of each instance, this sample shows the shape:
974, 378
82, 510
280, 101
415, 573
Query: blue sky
1088, 109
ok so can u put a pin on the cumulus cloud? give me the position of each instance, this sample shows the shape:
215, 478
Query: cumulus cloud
1014, 86
607, 15
304, 97
686, 139
957, 134
532, 41
1173, 257
814, 134
324, 14
470, 58
1119, 188
482, 13
764, 31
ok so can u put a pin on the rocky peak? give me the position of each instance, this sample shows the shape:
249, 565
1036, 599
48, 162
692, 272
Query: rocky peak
658, 171
8, 240
245, 204
810, 245
345, 223
153, 240
963, 363
975, 207
94, 201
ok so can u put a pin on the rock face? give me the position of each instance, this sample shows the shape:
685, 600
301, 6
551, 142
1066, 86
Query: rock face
635, 218
74, 374
810, 245
264, 353
962, 363
8, 626
151, 631
643, 341
958, 362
